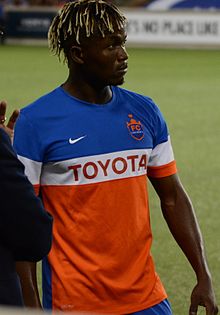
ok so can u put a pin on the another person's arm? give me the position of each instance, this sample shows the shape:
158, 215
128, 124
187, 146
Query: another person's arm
27, 272
25, 223
26, 227
179, 214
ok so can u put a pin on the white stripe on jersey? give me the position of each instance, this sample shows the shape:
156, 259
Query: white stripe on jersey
32, 169
162, 154
98, 168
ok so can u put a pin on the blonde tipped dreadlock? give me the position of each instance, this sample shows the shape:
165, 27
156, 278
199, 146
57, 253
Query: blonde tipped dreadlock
82, 16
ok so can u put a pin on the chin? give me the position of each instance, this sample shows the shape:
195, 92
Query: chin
118, 81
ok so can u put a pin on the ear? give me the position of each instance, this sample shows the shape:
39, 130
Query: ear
76, 54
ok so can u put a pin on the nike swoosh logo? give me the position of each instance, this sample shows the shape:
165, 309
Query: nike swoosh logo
72, 141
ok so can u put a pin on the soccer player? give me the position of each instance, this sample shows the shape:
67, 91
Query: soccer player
87, 147
25, 227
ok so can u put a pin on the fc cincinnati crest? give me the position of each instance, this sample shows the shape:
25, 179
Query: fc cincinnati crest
135, 128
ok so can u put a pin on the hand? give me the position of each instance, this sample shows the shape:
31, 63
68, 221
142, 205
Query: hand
203, 295
9, 128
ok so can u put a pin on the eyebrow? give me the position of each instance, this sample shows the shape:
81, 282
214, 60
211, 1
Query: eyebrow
118, 36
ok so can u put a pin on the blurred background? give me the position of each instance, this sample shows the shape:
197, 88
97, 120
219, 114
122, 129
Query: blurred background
150, 22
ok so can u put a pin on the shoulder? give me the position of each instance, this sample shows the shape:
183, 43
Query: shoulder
143, 104
137, 98
35, 115
45, 101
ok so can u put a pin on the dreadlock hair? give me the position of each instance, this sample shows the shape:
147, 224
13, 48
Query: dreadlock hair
80, 18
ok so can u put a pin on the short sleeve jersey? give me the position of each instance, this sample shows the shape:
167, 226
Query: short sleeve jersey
90, 162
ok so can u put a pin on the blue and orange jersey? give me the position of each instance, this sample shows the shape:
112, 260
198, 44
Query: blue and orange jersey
90, 162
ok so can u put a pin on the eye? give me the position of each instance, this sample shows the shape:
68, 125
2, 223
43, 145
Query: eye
124, 42
117, 42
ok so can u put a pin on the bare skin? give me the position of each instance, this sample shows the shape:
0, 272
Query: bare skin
28, 276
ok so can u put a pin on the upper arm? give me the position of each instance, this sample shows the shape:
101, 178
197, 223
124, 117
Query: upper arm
173, 196
168, 188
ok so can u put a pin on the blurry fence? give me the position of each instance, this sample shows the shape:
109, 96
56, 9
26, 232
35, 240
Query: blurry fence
145, 28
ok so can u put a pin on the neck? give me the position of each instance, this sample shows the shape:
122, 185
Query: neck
87, 92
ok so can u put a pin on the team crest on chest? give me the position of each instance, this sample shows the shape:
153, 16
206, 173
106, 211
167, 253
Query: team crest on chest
135, 128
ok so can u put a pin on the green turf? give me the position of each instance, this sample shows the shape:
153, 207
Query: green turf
185, 84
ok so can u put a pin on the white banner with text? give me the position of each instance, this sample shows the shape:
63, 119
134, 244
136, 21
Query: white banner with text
173, 28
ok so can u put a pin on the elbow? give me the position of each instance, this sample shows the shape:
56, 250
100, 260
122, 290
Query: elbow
41, 250
168, 205
40, 243
43, 243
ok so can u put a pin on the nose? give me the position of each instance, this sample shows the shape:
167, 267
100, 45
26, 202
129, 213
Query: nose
123, 55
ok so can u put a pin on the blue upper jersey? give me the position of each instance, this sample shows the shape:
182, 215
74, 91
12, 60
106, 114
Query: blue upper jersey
104, 128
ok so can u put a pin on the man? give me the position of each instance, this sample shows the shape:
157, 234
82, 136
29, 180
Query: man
25, 227
87, 147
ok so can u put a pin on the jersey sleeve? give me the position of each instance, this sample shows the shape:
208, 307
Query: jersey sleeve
161, 162
25, 226
28, 148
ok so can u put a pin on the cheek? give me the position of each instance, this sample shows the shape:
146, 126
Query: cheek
109, 64
106, 67
102, 65
108, 59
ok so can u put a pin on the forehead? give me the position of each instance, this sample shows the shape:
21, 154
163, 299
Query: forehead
117, 35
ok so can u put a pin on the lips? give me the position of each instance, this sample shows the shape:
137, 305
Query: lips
123, 68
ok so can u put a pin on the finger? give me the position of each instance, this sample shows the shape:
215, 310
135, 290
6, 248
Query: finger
193, 310
212, 310
3, 106
12, 119
216, 310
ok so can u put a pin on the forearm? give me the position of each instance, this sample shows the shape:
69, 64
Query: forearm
180, 217
28, 278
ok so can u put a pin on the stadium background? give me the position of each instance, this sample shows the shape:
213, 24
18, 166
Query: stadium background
184, 79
